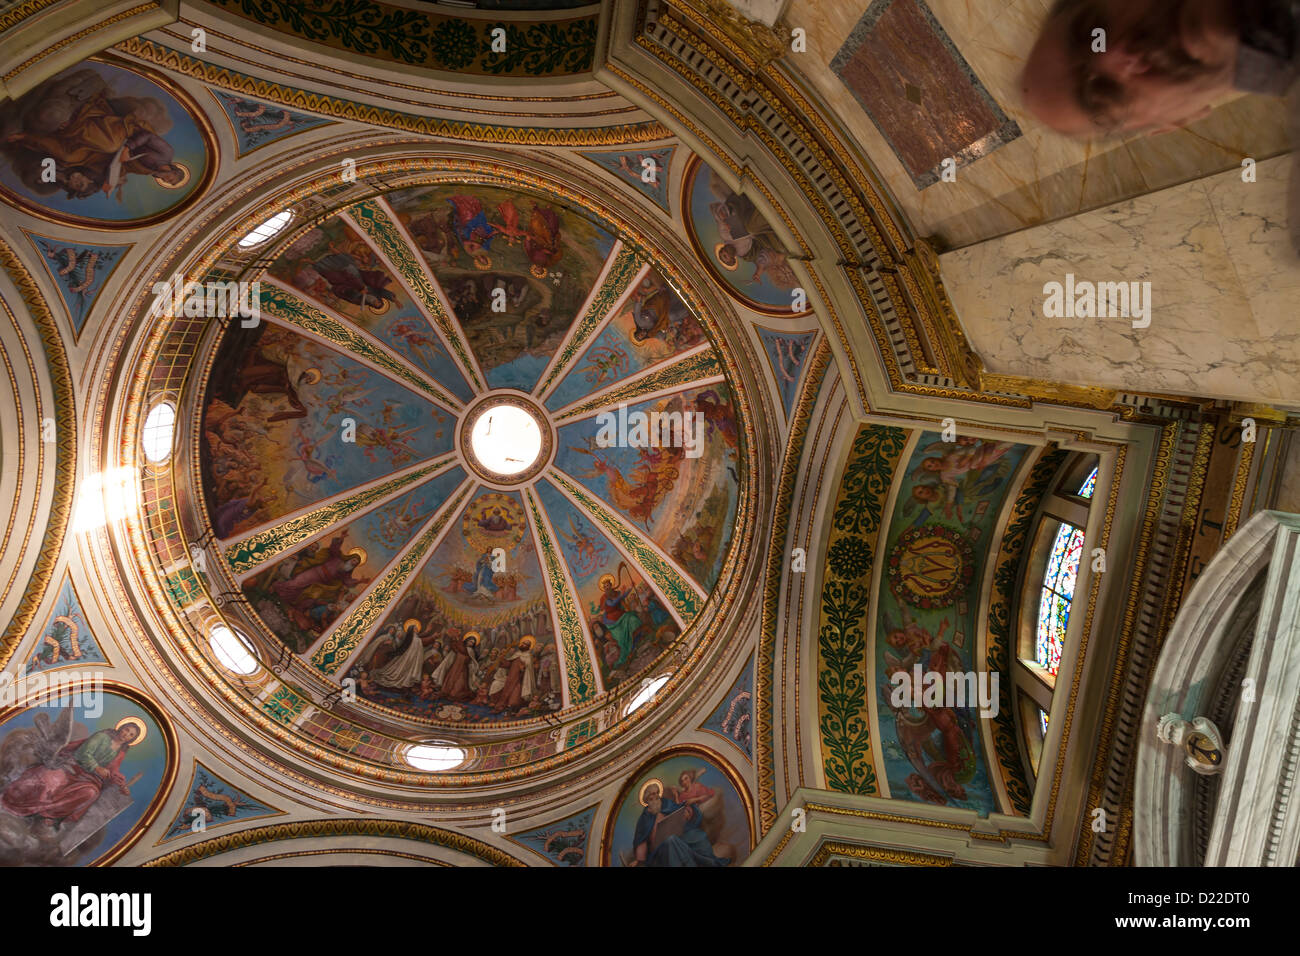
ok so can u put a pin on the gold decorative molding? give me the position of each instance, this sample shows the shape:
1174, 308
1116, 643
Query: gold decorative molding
324, 105
65, 462
22, 11
759, 43
318, 829
952, 351
879, 856
1038, 388
1238, 499
1266, 414
764, 677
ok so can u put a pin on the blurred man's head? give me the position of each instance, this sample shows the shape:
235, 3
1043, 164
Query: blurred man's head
1164, 64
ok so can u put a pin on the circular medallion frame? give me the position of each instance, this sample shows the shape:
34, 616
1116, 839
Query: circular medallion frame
498, 399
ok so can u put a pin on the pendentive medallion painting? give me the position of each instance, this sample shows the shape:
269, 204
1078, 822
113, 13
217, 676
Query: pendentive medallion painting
687, 808
83, 771
104, 145
737, 244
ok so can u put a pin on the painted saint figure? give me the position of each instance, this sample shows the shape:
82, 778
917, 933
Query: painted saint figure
320, 579
60, 790
458, 674
519, 682
670, 833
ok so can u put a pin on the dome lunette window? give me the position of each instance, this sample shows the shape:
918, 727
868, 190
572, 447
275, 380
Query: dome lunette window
646, 693
435, 757
266, 230
232, 651
158, 432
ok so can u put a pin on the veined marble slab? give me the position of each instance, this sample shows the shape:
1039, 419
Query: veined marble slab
1225, 293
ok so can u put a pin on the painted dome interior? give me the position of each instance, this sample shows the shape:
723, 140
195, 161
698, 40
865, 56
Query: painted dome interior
341, 482
464, 432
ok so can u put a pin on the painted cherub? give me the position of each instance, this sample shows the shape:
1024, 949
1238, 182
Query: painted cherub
690, 791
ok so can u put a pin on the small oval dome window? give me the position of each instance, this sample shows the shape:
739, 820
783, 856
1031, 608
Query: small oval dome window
159, 428
266, 230
646, 693
434, 757
233, 652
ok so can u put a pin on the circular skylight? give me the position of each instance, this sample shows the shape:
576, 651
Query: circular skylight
232, 651
434, 757
156, 436
506, 439
266, 230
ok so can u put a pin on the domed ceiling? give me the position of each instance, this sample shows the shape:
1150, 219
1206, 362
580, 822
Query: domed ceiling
376, 527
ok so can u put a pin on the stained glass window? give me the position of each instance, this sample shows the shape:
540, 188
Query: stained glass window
1042, 720
1089, 485
1058, 591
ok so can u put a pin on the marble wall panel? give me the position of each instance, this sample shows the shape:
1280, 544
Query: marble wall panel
1224, 286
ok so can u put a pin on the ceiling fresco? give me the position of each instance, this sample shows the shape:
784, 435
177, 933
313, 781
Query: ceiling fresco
361, 524
932, 547
534, 424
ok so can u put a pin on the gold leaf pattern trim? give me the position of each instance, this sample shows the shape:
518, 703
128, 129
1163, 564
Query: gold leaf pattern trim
251, 551
343, 640
582, 680
316, 829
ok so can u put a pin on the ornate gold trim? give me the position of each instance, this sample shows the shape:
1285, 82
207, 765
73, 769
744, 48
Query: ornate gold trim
1238, 499
1042, 390
874, 854
764, 747
22, 11
353, 827
65, 462
73, 38
375, 116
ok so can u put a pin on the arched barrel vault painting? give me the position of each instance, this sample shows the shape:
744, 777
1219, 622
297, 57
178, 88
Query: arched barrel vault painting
933, 547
